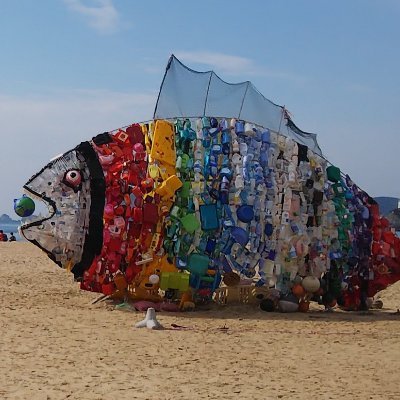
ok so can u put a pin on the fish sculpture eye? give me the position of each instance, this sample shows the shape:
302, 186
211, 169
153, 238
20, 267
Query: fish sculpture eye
73, 179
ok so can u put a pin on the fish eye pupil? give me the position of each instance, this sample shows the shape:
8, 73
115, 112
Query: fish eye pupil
73, 174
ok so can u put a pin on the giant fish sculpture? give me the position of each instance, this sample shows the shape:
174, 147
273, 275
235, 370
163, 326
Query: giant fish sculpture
173, 210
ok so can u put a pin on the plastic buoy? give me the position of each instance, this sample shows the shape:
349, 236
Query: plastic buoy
24, 206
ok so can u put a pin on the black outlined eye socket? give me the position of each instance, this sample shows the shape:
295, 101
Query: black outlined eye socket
73, 179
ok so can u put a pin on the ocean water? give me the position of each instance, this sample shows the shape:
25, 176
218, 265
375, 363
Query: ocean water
8, 228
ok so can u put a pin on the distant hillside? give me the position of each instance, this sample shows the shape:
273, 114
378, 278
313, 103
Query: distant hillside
394, 219
6, 219
387, 204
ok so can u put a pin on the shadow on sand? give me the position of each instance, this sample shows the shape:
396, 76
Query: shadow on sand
253, 312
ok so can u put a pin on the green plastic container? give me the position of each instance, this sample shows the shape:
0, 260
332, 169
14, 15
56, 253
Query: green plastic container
333, 173
175, 280
190, 223
198, 263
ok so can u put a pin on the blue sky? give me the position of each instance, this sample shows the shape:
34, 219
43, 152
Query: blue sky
73, 68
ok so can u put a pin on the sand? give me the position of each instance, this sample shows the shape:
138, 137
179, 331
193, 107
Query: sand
55, 344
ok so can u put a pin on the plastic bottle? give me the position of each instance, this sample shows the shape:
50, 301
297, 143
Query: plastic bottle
198, 154
199, 134
235, 146
239, 127
199, 124
178, 164
243, 148
224, 126
265, 136
206, 139
239, 182
206, 122
292, 252
213, 166
224, 187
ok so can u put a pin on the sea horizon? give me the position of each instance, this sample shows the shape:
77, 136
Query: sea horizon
8, 228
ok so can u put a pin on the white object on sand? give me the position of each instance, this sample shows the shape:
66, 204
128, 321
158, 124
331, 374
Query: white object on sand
150, 320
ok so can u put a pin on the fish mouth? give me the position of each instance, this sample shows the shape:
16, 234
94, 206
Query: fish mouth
51, 207
38, 221
42, 198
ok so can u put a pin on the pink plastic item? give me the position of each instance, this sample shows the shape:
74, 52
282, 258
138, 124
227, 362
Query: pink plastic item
143, 305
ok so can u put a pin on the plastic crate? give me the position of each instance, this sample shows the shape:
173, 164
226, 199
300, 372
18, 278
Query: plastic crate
138, 293
242, 294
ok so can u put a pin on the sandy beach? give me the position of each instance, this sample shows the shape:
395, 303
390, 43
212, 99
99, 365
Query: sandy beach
55, 344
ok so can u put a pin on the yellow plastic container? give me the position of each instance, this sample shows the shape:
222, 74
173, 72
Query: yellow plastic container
163, 147
168, 188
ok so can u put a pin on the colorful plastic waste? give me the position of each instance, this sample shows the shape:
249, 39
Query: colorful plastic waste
170, 211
